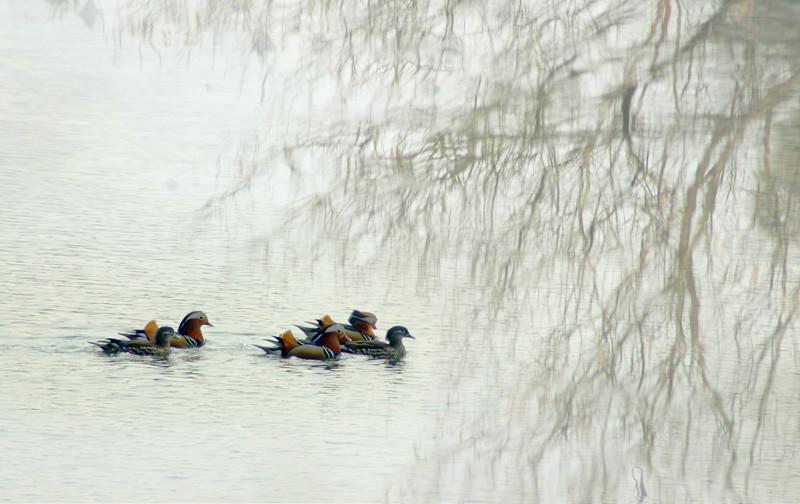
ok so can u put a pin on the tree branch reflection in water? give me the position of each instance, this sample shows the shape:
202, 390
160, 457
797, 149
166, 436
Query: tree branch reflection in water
621, 173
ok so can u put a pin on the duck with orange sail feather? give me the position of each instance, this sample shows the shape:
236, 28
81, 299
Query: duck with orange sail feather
361, 327
189, 334
329, 348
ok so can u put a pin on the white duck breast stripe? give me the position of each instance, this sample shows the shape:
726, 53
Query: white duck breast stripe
328, 353
190, 341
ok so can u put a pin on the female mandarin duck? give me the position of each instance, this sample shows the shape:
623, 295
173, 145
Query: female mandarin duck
361, 327
189, 333
392, 350
159, 345
329, 347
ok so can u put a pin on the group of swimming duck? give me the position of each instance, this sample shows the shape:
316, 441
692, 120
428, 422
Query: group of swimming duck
323, 339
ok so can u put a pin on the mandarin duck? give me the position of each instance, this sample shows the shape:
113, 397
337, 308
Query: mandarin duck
289, 346
189, 333
392, 350
159, 345
361, 327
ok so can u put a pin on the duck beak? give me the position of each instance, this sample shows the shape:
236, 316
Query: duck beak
208, 323
347, 339
409, 336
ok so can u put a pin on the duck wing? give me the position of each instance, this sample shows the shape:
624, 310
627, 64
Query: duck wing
367, 347
146, 334
313, 352
138, 347
184, 341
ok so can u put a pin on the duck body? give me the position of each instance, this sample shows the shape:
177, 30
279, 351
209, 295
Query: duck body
361, 327
314, 334
189, 334
160, 345
394, 349
288, 346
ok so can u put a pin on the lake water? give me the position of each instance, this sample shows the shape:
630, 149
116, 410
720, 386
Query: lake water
586, 213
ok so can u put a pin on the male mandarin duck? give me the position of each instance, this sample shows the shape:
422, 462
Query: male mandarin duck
189, 333
361, 327
392, 350
159, 345
329, 347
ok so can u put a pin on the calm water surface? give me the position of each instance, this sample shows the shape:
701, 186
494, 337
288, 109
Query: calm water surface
585, 211
106, 164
